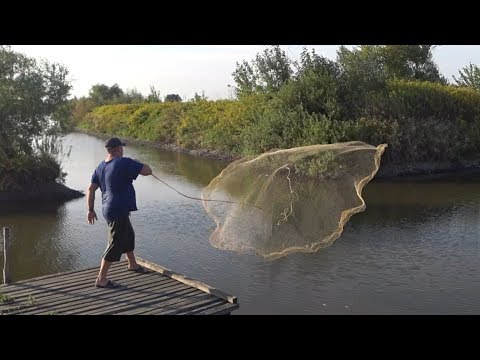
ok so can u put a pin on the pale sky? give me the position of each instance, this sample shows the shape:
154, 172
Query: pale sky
186, 69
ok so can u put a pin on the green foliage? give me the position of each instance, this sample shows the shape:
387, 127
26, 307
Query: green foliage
469, 77
4, 298
131, 96
376, 94
31, 94
154, 96
411, 62
314, 87
79, 108
425, 99
362, 74
267, 73
212, 124
245, 78
173, 98
110, 119
167, 121
103, 94
155, 121
276, 126
34, 113
22, 171
366, 70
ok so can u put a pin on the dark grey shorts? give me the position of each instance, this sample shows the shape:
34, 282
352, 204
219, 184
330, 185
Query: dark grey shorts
121, 239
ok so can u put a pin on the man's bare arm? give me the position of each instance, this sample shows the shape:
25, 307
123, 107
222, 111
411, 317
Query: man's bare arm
91, 216
146, 170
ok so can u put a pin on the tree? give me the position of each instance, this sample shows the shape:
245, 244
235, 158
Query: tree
317, 83
103, 94
173, 98
411, 62
33, 97
267, 73
378, 62
363, 67
154, 95
198, 97
366, 69
131, 96
362, 75
469, 77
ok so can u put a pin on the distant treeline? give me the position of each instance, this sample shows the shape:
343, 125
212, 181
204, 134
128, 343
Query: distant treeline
391, 94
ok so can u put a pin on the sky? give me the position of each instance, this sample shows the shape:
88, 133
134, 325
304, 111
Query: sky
189, 69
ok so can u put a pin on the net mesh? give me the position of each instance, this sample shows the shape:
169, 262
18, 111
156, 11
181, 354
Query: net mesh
290, 200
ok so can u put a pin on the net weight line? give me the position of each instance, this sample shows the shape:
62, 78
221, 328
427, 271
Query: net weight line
196, 198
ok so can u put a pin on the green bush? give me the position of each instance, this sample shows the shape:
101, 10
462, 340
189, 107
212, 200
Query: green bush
420, 121
422, 100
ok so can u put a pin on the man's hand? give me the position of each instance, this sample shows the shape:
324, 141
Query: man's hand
92, 216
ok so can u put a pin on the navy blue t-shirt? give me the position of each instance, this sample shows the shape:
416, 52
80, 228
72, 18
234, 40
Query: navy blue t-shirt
115, 179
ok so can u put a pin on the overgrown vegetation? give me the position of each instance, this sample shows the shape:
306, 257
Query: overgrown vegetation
34, 112
391, 94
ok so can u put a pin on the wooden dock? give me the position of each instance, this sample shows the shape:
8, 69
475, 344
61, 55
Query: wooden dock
160, 292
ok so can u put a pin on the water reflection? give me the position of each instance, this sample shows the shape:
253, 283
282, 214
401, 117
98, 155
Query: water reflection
37, 240
390, 202
195, 169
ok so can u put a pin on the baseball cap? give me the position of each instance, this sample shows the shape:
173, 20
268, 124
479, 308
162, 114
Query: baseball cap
113, 142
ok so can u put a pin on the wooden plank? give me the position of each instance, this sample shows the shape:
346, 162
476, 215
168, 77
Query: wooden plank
140, 309
43, 277
116, 274
79, 305
167, 305
127, 297
40, 290
81, 289
87, 289
96, 295
206, 307
6, 256
60, 275
188, 281
219, 310
191, 305
38, 287
74, 293
146, 303
122, 305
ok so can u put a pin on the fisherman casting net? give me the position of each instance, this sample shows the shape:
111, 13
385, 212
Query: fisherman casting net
290, 200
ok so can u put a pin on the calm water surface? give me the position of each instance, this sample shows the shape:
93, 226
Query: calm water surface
415, 250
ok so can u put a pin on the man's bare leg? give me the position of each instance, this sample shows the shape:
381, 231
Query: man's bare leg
132, 262
102, 274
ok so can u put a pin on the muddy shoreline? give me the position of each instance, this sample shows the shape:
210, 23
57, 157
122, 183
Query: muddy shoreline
51, 192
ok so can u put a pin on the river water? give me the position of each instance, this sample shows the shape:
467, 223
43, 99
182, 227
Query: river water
414, 250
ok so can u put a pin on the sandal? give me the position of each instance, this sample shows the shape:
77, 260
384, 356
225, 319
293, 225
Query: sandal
139, 269
109, 285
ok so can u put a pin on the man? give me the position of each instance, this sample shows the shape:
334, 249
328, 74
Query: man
114, 176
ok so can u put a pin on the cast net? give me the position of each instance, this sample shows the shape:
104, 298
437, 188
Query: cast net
290, 200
